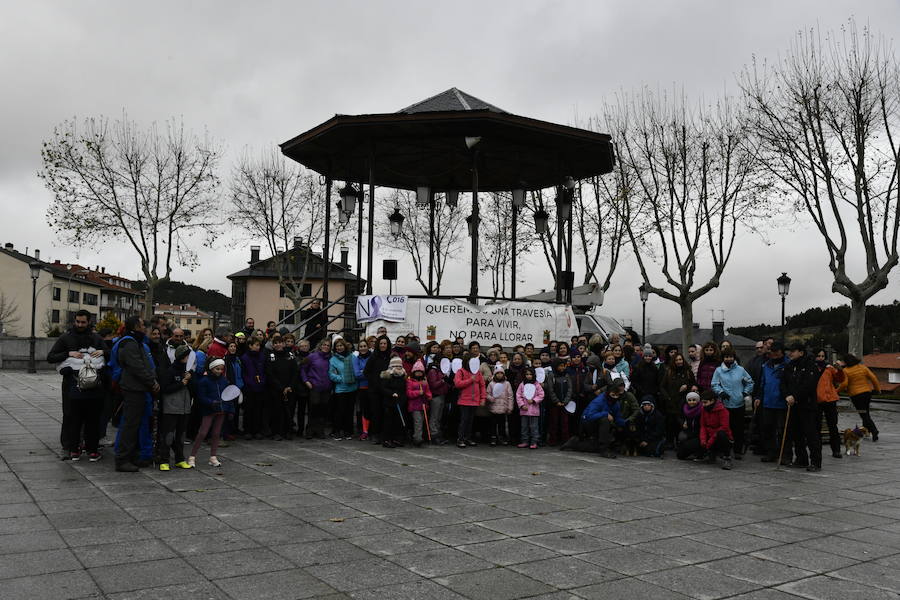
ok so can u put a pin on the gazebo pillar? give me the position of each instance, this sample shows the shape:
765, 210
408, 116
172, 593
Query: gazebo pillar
473, 284
370, 249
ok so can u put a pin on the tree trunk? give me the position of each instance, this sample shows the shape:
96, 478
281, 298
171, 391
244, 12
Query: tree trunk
856, 327
148, 298
687, 324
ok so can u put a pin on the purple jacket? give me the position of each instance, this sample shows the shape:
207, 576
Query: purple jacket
315, 371
254, 371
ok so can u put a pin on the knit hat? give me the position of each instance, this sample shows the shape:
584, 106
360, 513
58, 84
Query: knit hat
240, 334
216, 363
648, 400
182, 351
693, 396
498, 368
414, 347
396, 361
418, 366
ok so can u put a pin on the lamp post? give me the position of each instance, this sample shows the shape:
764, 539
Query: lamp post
784, 285
645, 295
396, 219
35, 273
518, 201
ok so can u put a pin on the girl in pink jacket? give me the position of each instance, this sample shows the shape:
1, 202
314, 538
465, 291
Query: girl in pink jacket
470, 384
500, 403
529, 396
418, 394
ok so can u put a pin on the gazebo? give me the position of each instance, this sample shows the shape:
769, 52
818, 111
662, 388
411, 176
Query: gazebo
449, 143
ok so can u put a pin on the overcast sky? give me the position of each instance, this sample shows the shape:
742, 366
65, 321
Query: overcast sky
257, 73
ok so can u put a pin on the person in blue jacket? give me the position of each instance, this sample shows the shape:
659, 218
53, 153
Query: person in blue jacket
733, 384
360, 359
774, 406
342, 373
213, 408
601, 421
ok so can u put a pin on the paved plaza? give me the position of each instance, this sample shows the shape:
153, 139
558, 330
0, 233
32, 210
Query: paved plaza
325, 519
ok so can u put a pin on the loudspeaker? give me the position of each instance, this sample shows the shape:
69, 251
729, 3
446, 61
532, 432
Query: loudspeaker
389, 269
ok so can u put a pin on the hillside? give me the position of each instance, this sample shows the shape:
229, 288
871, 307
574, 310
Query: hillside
820, 327
176, 292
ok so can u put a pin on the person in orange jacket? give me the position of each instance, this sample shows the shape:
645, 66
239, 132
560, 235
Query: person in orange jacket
860, 383
827, 396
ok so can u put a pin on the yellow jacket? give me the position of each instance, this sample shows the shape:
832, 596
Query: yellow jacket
859, 380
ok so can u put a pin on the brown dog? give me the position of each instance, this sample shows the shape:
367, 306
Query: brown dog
852, 438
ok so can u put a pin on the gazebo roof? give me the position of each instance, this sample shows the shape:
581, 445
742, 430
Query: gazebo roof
425, 144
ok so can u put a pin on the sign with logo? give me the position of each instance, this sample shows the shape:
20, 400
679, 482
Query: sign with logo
505, 323
386, 308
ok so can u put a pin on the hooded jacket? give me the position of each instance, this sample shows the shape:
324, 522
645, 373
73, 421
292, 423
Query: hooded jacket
712, 421
209, 393
417, 394
359, 368
734, 381
138, 371
650, 428
437, 381
800, 379
829, 380
500, 403
471, 387
532, 408
340, 371
315, 371
600, 408
770, 385
280, 369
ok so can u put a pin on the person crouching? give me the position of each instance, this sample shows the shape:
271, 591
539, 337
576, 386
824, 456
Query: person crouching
715, 433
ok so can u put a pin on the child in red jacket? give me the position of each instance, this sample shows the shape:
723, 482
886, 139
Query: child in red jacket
715, 433
418, 395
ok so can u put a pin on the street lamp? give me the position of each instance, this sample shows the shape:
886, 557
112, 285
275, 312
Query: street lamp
343, 217
35, 273
784, 285
644, 293
347, 204
452, 198
423, 195
564, 202
518, 198
396, 218
541, 217
472, 222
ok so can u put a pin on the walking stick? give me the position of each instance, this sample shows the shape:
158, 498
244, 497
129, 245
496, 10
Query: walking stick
787, 420
427, 426
400, 412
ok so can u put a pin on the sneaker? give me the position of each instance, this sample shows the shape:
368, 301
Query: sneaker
94, 456
164, 467
192, 462
183, 465
214, 462
493, 442
522, 445
471, 443
127, 467
533, 446
75, 456
726, 463
363, 436
460, 444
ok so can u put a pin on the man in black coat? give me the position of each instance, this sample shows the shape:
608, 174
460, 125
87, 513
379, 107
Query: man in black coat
81, 407
798, 385
137, 380
317, 327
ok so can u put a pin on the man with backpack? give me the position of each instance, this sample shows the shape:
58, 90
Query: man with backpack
80, 355
133, 369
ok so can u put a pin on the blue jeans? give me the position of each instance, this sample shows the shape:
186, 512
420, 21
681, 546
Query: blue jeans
529, 429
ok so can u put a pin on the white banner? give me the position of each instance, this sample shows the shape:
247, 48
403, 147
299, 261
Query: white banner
388, 308
506, 323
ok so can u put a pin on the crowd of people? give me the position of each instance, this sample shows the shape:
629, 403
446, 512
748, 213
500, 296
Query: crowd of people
166, 392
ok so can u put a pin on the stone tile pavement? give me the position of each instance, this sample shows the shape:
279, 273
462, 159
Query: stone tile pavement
289, 520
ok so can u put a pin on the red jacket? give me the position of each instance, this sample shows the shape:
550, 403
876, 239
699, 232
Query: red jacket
471, 388
417, 394
712, 422
216, 349
437, 381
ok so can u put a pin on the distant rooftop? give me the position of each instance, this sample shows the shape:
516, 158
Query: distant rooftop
449, 100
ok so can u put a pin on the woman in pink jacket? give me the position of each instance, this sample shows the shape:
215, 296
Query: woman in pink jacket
500, 403
470, 384
529, 396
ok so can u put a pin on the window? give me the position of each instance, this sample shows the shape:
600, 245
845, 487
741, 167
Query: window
57, 293
74, 296
198, 322
90, 299
54, 316
283, 316
305, 291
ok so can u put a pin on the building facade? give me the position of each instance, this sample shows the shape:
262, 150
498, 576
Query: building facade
257, 293
184, 316
61, 290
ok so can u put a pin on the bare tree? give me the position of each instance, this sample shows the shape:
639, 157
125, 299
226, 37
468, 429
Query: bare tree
154, 189
691, 176
9, 312
495, 249
826, 117
449, 234
281, 203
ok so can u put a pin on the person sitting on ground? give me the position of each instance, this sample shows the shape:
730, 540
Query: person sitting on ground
689, 435
600, 423
650, 429
715, 434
